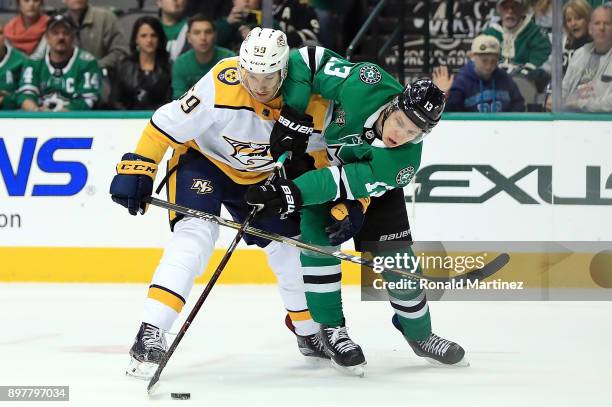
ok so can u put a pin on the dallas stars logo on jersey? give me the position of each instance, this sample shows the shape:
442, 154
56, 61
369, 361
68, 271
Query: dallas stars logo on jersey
369, 74
405, 175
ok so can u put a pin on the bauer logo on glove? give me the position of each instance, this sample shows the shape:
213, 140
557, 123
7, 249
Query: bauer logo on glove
290, 133
281, 197
295, 126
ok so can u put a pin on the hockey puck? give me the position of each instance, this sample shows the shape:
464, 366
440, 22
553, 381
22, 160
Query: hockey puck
180, 396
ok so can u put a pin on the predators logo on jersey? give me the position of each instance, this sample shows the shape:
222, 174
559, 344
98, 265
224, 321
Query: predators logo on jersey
201, 186
251, 155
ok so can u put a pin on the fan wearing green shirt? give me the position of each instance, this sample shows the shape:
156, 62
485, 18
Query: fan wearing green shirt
195, 63
11, 64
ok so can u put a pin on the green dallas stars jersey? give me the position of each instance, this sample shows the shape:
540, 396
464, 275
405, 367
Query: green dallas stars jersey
75, 87
10, 71
362, 165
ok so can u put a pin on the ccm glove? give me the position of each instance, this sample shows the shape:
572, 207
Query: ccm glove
133, 182
290, 133
347, 219
281, 197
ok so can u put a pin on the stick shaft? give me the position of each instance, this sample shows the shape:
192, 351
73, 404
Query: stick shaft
211, 283
489, 269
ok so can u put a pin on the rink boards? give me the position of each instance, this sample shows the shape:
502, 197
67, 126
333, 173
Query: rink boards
514, 178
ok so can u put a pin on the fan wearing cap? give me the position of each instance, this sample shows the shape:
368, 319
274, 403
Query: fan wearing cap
373, 139
524, 47
66, 77
480, 85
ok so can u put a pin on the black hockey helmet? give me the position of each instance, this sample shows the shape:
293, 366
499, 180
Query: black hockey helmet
423, 103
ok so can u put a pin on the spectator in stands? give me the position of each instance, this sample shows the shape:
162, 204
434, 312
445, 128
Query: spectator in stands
233, 29
195, 63
524, 48
587, 85
66, 78
11, 63
26, 31
480, 86
98, 33
143, 79
576, 16
543, 15
298, 20
172, 16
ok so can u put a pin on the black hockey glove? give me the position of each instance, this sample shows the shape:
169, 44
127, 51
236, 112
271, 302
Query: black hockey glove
281, 197
290, 133
298, 165
347, 219
133, 182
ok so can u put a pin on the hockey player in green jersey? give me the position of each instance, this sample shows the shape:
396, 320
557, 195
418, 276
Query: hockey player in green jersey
374, 141
66, 78
11, 63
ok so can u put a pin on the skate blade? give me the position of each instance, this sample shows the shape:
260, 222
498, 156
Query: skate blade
315, 361
140, 370
357, 370
462, 363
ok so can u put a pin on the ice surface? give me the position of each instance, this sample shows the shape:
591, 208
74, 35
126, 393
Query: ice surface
238, 351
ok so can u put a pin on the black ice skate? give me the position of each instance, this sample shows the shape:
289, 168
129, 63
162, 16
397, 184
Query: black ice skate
310, 346
147, 351
345, 354
437, 351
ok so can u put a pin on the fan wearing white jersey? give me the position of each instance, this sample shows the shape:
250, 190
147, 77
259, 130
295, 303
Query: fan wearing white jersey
220, 133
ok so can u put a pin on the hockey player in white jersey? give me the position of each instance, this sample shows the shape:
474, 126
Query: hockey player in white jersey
219, 131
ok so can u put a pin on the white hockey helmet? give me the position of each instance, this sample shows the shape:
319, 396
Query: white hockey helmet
264, 51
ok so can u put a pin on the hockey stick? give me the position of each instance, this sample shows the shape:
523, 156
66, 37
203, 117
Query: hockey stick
478, 274
211, 283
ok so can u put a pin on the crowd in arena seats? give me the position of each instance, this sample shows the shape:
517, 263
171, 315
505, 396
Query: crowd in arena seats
509, 75
80, 55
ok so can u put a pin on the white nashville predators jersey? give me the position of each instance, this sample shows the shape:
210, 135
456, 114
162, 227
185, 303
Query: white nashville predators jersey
220, 119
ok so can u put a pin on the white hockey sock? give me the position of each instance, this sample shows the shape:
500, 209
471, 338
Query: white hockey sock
184, 259
284, 260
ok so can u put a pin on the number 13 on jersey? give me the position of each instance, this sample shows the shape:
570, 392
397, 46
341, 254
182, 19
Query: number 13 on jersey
336, 67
